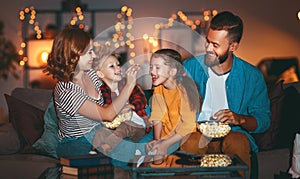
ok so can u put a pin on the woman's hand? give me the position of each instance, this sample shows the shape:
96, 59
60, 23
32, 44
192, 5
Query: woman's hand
131, 74
126, 108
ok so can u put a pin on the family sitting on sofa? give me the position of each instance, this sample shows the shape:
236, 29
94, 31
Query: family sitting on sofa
91, 93
230, 90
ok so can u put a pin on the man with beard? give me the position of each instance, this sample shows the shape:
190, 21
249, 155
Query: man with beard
233, 90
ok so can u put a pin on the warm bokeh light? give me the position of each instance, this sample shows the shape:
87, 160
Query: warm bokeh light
132, 54
129, 11
26, 10
128, 34
117, 45
299, 15
206, 18
25, 59
107, 43
119, 16
78, 9
38, 51
38, 36
81, 17
151, 39
214, 12
131, 46
145, 36
44, 57
157, 26
81, 26
122, 43
23, 45
129, 27
174, 16
21, 52
124, 9
131, 62
22, 63
31, 21
194, 27
155, 43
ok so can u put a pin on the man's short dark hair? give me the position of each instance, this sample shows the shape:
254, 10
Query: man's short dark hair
231, 23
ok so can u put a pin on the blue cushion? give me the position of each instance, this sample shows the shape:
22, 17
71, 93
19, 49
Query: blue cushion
48, 142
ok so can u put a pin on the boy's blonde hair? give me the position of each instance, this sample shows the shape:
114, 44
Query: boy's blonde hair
102, 52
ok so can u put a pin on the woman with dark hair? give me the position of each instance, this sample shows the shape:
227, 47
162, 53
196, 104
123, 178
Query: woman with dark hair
77, 95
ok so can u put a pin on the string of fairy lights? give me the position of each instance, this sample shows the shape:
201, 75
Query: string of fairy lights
23, 14
77, 18
122, 36
200, 22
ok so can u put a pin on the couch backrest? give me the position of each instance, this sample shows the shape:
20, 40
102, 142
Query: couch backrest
296, 85
39, 98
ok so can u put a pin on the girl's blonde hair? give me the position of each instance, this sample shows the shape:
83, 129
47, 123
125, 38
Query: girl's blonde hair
102, 52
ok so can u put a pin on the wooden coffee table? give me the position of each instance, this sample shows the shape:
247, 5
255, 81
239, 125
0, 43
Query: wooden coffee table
194, 171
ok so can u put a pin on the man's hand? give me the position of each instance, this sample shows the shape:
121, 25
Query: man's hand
228, 117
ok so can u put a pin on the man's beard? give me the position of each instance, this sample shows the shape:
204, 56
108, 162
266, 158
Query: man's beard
215, 60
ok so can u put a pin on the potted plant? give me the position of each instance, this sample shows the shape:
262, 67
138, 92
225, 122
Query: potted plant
8, 57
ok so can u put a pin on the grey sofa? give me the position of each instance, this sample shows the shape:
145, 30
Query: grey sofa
16, 162
276, 144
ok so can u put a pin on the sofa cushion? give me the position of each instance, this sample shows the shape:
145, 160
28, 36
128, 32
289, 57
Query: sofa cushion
9, 140
269, 139
49, 140
290, 125
272, 162
25, 166
27, 121
38, 98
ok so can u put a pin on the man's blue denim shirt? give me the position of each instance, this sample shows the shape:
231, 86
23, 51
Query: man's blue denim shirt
246, 91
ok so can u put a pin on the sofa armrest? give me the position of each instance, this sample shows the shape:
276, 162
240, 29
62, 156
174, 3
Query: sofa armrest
272, 162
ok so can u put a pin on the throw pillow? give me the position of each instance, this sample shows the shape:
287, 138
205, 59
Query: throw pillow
269, 139
291, 115
48, 142
27, 121
9, 140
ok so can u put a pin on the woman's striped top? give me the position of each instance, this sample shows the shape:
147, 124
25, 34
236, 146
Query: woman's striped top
68, 99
